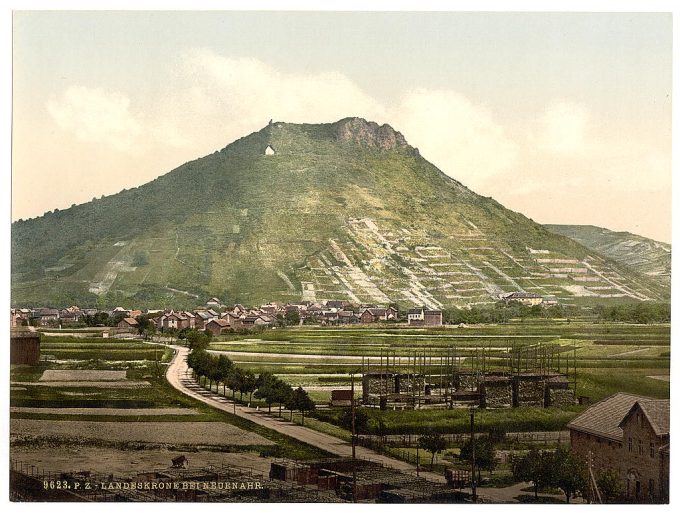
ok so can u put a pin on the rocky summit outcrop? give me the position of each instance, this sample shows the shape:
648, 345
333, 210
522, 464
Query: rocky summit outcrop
369, 133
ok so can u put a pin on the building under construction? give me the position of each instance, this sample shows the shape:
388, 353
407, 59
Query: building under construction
540, 375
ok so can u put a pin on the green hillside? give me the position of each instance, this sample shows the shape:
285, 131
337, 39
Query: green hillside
645, 255
340, 211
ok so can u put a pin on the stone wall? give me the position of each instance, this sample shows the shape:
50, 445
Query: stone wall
410, 384
497, 394
377, 384
529, 391
559, 397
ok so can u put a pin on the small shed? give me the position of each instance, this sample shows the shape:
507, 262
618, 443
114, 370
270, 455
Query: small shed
341, 397
269, 150
24, 347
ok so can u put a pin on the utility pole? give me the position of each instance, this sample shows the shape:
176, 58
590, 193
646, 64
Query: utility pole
354, 435
593, 481
417, 458
472, 440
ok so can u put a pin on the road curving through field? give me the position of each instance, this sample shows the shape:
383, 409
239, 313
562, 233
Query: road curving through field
179, 376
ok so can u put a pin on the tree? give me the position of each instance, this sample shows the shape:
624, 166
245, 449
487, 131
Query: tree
199, 362
610, 485
142, 323
300, 400
197, 340
266, 383
234, 379
282, 392
360, 420
211, 371
292, 317
433, 442
571, 474
536, 467
248, 384
224, 367
485, 454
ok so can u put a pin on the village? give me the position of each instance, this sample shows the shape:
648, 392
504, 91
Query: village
217, 317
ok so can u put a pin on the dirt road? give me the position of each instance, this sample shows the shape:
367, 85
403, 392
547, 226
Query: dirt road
179, 376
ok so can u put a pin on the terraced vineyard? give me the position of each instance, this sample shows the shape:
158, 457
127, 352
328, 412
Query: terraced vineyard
382, 262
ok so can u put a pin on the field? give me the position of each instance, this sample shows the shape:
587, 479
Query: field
88, 382
609, 357
78, 407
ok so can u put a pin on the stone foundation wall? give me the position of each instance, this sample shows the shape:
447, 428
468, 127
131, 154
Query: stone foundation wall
560, 397
530, 392
497, 395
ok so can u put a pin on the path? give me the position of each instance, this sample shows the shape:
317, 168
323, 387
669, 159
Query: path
179, 377
635, 351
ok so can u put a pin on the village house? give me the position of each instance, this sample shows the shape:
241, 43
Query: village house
129, 324
191, 319
628, 434
523, 298
20, 317
270, 309
217, 326
252, 320
234, 321
334, 303
347, 317
46, 316
424, 317
369, 315
203, 317
314, 310
175, 320
239, 310
71, 315
119, 311
214, 302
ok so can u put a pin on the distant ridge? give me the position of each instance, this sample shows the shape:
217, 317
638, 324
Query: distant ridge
645, 255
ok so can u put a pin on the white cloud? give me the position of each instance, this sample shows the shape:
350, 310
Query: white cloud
245, 93
564, 127
459, 136
234, 96
97, 116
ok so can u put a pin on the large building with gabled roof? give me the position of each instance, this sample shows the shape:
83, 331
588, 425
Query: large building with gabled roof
629, 434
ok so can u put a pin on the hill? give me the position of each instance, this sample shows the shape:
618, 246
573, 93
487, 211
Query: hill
346, 210
645, 255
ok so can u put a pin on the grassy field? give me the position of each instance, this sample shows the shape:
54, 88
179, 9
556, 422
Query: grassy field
141, 361
609, 357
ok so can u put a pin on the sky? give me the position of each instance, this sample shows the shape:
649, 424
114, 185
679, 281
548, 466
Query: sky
565, 117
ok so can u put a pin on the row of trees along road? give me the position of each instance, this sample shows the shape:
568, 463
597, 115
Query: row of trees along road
220, 370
